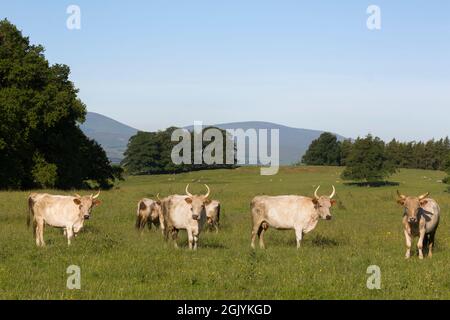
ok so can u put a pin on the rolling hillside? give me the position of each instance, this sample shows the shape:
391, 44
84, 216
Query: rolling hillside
114, 136
111, 134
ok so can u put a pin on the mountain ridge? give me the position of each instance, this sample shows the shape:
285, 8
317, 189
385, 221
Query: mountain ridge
113, 136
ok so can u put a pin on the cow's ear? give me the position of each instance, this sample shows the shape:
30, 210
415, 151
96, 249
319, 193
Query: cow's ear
401, 202
188, 200
77, 201
423, 202
315, 201
207, 201
333, 202
158, 203
97, 202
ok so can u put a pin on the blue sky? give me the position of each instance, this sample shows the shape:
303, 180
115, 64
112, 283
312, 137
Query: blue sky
309, 64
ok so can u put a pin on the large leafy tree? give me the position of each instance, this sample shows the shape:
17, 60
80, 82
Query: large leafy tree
150, 153
324, 151
368, 161
41, 144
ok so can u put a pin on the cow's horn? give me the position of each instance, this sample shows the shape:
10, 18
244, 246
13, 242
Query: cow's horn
401, 196
187, 191
209, 191
96, 196
77, 195
315, 193
157, 197
333, 193
424, 196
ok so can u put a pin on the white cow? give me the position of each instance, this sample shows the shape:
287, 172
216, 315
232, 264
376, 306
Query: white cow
213, 214
65, 212
185, 212
289, 212
420, 219
149, 212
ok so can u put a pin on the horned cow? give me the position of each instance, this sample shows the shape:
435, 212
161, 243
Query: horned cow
289, 212
420, 219
67, 212
185, 212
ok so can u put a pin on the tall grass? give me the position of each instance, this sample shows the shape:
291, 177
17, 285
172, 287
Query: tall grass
117, 262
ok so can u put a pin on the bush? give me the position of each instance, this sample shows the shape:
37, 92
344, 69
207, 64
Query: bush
45, 175
368, 161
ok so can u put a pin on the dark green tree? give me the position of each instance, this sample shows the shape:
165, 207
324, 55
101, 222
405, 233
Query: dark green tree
41, 144
324, 151
368, 161
150, 153
346, 149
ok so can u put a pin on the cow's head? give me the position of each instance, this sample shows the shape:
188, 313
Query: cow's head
155, 209
197, 203
412, 205
86, 204
323, 204
211, 211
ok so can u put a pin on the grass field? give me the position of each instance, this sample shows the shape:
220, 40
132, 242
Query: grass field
116, 262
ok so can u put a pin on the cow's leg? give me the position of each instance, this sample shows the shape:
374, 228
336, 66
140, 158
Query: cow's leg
40, 233
261, 231
190, 238
408, 244
161, 223
299, 236
255, 232
216, 225
69, 234
431, 244
175, 237
420, 243
195, 235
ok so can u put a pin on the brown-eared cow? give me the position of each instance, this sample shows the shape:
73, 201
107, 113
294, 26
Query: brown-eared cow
289, 212
420, 219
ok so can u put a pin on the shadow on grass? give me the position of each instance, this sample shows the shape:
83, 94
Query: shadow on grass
373, 184
213, 245
324, 242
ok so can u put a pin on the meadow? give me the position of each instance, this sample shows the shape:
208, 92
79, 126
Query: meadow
118, 263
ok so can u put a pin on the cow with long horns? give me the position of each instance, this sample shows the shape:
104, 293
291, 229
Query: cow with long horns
185, 212
420, 219
66, 212
289, 212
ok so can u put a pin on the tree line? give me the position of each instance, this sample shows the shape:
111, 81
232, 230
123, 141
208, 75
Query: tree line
371, 159
151, 153
41, 144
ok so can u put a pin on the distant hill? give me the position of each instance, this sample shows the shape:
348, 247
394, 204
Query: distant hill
293, 141
114, 136
111, 134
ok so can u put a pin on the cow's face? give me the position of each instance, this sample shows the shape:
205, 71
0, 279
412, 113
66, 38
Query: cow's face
86, 204
412, 206
323, 206
156, 210
197, 205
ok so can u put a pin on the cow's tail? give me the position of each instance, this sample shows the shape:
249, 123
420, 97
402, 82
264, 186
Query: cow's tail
30, 215
139, 218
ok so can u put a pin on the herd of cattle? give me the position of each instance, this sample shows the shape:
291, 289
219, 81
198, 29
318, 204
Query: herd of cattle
193, 212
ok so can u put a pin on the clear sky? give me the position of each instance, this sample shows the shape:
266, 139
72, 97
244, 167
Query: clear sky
309, 64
